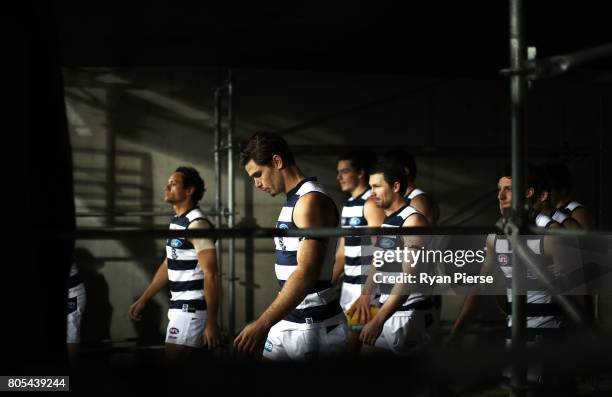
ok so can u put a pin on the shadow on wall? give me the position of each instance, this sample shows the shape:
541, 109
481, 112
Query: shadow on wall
95, 326
148, 328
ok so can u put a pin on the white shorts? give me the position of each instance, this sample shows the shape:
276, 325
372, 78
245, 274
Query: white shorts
407, 332
186, 328
75, 309
288, 341
350, 293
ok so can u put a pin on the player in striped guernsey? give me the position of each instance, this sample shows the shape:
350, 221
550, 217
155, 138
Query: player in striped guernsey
564, 207
572, 215
190, 268
500, 247
353, 255
77, 298
543, 210
538, 301
305, 320
403, 325
544, 317
417, 198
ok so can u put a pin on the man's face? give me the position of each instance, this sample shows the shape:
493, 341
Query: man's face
175, 192
382, 193
504, 195
348, 177
266, 177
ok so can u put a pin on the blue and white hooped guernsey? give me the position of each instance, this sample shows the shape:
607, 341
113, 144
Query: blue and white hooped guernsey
414, 301
185, 276
321, 303
561, 214
75, 285
542, 311
544, 221
414, 193
357, 249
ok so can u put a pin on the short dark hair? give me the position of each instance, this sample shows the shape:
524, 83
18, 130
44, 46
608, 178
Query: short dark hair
361, 160
261, 146
392, 170
405, 159
191, 178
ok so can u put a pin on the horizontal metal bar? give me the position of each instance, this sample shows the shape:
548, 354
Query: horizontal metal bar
122, 214
446, 151
126, 233
558, 64
136, 213
569, 232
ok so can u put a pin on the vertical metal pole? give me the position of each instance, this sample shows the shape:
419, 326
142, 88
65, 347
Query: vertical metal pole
517, 108
249, 251
111, 155
218, 218
231, 206
600, 196
602, 158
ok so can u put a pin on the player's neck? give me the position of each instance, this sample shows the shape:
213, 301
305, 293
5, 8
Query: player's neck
181, 208
409, 189
359, 190
292, 177
397, 203
562, 201
546, 210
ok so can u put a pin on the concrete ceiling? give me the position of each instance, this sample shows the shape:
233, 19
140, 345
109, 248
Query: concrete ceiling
358, 36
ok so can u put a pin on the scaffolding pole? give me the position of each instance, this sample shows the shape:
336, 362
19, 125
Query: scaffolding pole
517, 126
218, 203
231, 206
228, 211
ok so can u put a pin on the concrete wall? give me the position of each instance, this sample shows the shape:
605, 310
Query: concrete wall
131, 128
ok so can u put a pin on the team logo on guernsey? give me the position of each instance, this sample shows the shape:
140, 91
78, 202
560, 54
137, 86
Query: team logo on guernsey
268, 346
176, 243
174, 331
386, 243
355, 221
280, 239
503, 259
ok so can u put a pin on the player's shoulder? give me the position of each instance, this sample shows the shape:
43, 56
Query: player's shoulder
315, 208
422, 199
415, 218
200, 223
314, 198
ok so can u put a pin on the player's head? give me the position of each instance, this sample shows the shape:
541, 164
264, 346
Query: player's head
559, 180
184, 185
388, 181
406, 160
354, 169
263, 156
536, 193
